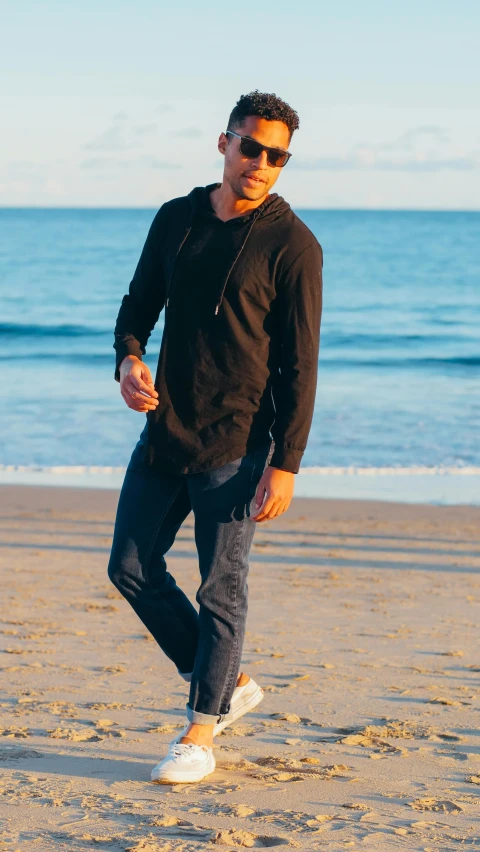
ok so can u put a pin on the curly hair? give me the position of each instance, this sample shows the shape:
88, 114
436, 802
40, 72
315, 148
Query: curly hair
265, 106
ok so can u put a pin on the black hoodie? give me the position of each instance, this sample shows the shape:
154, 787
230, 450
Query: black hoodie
239, 354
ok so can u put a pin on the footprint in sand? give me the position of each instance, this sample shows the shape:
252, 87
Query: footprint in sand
93, 607
376, 736
168, 821
232, 837
14, 731
224, 837
118, 669
77, 736
372, 742
431, 803
451, 653
291, 820
285, 769
241, 731
16, 753
108, 728
163, 729
28, 704
287, 717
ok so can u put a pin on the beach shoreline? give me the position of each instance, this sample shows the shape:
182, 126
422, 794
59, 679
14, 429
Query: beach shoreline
420, 485
57, 497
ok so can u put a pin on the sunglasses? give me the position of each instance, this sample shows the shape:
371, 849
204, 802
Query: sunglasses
252, 149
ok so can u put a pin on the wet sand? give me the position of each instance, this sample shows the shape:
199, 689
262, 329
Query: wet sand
363, 631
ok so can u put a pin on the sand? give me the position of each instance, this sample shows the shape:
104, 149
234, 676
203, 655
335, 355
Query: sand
363, 631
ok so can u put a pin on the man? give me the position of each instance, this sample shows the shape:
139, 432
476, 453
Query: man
240, 278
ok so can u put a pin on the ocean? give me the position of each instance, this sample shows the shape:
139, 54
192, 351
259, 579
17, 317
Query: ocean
399, 367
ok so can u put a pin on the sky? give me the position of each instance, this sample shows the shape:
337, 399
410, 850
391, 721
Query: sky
120, 104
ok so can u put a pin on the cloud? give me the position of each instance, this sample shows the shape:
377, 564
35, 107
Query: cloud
155, 163
114, 163
161, 108
112, 139
120, 136
145, 129
24, 175
188, 132
410, 152
405, 165
407, 141
23, 168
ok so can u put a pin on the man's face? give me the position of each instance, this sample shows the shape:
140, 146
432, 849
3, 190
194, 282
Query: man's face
253, 179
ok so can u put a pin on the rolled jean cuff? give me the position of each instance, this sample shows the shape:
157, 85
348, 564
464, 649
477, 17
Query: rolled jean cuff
203, 718
187, 676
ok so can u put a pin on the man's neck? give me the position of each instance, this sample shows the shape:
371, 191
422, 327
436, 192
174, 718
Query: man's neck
228, 205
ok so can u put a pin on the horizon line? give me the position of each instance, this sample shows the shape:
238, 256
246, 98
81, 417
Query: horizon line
295, 207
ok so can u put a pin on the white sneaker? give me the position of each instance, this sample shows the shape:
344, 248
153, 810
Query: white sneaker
244, 699
184, 763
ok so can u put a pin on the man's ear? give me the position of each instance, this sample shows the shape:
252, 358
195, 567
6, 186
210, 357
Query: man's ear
222, 143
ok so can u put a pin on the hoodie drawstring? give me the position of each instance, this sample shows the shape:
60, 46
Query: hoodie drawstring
189, 228
255, 217
257, 213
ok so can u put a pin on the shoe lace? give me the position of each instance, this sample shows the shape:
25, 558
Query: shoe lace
186, 752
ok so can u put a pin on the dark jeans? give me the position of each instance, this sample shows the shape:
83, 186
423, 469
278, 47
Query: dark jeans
206, 646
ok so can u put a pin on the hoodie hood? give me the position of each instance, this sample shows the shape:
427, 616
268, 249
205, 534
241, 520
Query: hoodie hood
273, 208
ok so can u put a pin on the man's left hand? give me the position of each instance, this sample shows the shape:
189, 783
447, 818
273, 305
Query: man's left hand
277, 487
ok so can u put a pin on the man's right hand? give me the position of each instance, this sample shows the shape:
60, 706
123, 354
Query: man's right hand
136, 385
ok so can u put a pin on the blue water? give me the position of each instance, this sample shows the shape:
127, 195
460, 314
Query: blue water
399, 368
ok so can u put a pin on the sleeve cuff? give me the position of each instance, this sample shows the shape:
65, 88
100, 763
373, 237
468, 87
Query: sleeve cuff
122, 353
286, 459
